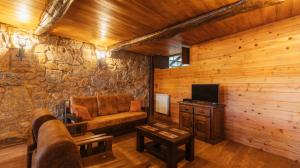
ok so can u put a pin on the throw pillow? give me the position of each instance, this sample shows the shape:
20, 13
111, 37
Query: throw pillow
135, 106
81, 112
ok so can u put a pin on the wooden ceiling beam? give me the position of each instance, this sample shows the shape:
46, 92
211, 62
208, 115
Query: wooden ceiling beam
54, 10
239, 7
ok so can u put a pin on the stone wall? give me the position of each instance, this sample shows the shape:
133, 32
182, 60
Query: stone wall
55, 68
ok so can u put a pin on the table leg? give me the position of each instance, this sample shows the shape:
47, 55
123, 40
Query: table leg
108, 145
82, 150
101, 146
172, 157
89, 149
140, 144
189, 150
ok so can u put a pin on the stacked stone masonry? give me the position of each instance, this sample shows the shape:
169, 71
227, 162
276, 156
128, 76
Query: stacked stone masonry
54, 69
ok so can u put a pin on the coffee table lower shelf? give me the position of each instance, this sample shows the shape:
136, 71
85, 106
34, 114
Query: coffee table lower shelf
161, 151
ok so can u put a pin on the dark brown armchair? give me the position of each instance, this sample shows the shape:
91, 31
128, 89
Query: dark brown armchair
53, 146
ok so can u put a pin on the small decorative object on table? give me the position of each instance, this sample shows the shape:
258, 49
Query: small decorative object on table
62, 110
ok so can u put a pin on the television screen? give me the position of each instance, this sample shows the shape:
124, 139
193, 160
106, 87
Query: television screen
205, 92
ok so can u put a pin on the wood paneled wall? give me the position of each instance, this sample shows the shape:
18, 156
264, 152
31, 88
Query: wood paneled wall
259, 74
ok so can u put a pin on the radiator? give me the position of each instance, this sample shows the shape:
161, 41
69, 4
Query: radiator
162, 103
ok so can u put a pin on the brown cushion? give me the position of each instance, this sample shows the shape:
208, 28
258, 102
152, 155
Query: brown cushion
135, 105
81, 112
90, 102
115, 119
107, 105
124, 102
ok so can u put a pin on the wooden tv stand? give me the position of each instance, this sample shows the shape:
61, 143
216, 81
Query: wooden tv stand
204, 120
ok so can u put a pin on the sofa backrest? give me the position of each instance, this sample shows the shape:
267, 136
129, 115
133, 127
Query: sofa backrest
124, 102
55, 147
90, 102
103, 104
108, 105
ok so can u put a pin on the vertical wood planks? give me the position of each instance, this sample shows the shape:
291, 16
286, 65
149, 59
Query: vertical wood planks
259, 74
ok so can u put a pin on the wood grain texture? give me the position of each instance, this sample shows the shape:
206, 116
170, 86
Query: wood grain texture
224, 154
107, 22
259, 74
221, 28
242, 6
21, 13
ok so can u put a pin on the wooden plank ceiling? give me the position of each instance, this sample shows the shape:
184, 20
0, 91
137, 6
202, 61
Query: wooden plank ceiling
225, 27
24, 14
107, 22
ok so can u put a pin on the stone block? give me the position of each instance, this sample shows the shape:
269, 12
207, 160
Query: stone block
64, 55
40, 48
64, 67
40, 68
4, 40
21, 66
42, 58
10, 79
50, 55
51, 66
53, 76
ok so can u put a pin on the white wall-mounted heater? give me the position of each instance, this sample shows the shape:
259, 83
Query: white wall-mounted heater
162, 103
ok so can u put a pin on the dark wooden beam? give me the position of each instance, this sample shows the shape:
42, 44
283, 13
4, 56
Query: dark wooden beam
151, 88
54, 10
239, 7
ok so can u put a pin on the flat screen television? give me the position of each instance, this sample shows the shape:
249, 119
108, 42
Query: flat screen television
205, 92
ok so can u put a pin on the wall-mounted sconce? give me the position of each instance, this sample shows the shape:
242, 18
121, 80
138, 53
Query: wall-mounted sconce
100, 54
21, 42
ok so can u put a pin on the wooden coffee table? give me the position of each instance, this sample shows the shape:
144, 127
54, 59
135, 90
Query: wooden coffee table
165, 142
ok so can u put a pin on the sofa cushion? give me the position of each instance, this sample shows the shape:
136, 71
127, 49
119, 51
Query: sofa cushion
81, 112
124, 102
90, 102
115, 119
107, 105
135, 105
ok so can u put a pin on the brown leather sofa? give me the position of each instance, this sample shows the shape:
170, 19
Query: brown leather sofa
110, 113
53, 146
